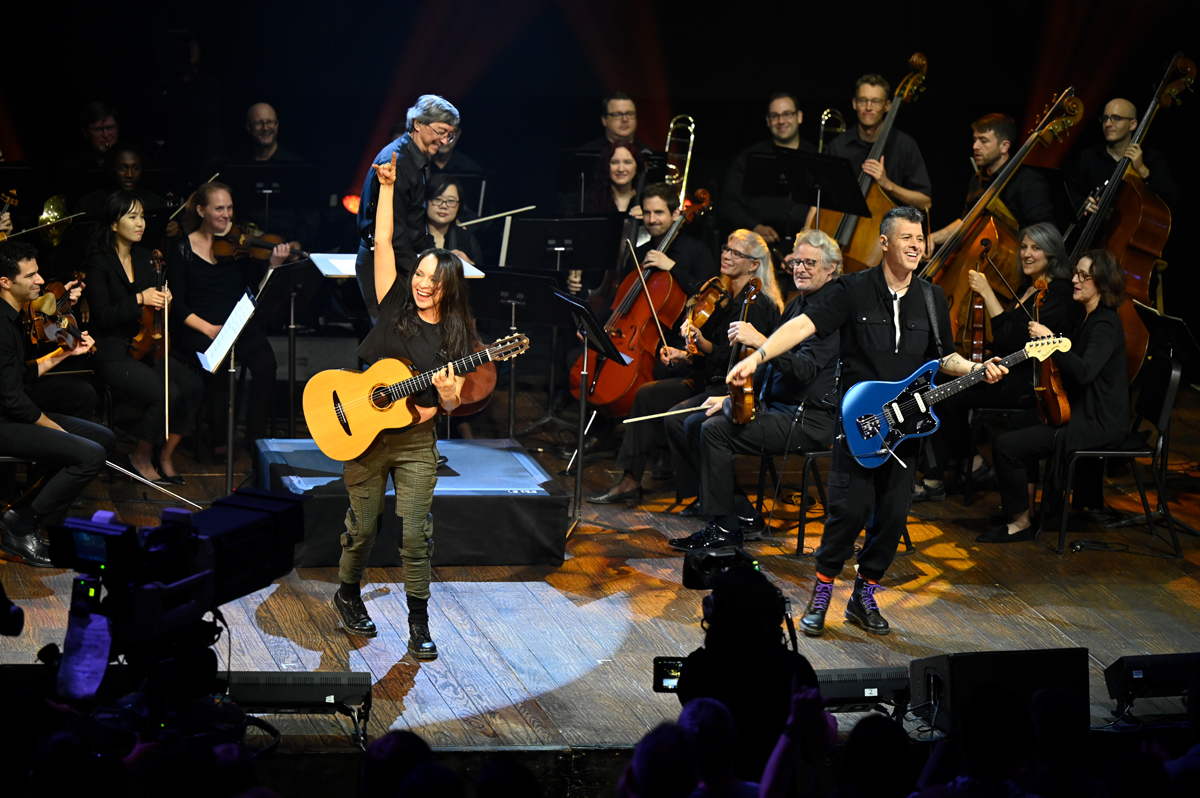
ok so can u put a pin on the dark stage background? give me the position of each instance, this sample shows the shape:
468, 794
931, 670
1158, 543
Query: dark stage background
527, 75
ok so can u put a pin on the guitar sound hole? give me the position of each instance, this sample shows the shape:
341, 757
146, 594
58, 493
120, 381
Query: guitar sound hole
380, 399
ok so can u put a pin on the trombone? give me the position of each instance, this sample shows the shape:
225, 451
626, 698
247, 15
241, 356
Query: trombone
839, 126
681, 131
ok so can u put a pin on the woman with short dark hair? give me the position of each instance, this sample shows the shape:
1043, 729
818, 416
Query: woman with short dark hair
1097, 383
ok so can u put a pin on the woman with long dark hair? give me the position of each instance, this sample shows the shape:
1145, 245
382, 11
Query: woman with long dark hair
1097, 382
207, 289
426, 319
121, 284
614, 185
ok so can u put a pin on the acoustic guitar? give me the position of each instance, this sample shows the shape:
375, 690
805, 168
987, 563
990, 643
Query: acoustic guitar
345, 410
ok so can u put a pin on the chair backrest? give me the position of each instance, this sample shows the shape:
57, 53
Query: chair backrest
1160, 386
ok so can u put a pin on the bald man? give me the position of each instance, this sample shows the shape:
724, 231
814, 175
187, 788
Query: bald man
1096, 164
262, 124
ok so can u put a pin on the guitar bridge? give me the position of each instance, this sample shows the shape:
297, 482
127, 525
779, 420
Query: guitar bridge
868, 426
341, 414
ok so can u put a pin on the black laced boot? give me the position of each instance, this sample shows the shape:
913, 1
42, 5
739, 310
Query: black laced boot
420, 642
862, 609
22, 540
352, 611
813, 620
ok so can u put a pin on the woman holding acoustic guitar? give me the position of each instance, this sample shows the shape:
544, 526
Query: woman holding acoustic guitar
425, 319
122, 282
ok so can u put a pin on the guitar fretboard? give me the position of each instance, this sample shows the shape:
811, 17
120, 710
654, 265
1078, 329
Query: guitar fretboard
977, 376
420, 382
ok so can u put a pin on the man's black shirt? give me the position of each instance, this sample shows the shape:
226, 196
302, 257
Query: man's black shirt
859, 305
1027, 196
408, 213
901, 158
18, 369
1095, 166
745, 212
805, 374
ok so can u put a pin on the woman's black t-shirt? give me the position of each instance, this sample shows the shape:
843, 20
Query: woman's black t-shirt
423, 351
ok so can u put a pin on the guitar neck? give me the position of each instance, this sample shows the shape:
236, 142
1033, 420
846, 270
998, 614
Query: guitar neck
977, 376
420, 382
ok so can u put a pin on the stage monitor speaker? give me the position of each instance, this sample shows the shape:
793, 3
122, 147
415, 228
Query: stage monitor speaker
324, 693
941, 685
1149, 676
865, 689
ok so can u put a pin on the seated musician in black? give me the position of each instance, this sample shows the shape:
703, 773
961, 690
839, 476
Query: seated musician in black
1043, 257
774, 218
123, 165
1095, 165
891, 325
443, 200
37, 420
1026, 195
121, 284
797, 409
744, 256
1097, 381
900, 171
205, 291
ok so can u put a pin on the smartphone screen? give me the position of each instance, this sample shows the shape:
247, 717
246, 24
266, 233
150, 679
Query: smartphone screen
666, 674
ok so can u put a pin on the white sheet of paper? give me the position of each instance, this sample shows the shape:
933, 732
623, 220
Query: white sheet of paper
334, 265
229, 333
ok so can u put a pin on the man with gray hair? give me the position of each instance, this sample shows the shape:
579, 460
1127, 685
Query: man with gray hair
796, 411
431, 123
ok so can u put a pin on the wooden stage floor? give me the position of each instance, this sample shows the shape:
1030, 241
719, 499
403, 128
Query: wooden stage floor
560, 658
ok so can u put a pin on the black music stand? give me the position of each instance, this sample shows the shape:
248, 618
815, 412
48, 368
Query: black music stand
1170, 337
305, 280
588, 244
497, 297
222, 350
596, 338
822, 180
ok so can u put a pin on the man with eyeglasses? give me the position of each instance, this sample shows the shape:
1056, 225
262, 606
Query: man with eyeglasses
891, 323
100, 126
900, 172
431, 123
262, 124
775, 218
1026, 195
1096, 164
618, 117
798, 401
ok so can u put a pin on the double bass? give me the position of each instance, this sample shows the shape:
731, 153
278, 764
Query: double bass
1133, 222
646, 300
859, 237
990, 220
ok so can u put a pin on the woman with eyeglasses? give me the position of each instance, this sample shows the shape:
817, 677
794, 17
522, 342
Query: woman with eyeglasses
443, 199
1043, 256
1097, 383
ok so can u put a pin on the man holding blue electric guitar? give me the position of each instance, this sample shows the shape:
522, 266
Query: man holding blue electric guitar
891, 325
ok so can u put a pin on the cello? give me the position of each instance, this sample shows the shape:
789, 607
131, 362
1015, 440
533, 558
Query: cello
1133, 222
645, 301
989, 219
859, 237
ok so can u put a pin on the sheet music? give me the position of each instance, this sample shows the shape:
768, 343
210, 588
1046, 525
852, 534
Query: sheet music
229, 333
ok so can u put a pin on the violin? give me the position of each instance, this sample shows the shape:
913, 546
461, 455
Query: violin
150, 336
713, 295
48, 319
243, 243
1053, 406
742, 397
975, 334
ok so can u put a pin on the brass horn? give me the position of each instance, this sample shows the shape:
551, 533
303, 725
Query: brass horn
839, 126
53, 211
682, 131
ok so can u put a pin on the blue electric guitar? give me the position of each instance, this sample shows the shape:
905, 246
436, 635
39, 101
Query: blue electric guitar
877, 415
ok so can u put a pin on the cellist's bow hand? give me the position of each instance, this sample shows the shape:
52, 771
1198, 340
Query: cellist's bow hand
669, 355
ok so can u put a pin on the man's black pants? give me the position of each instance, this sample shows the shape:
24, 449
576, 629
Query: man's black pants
70, 459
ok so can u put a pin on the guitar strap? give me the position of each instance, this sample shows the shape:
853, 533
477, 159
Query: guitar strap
928, 292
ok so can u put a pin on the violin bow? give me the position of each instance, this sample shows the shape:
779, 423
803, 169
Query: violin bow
988, 258
642, 276
148, 483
